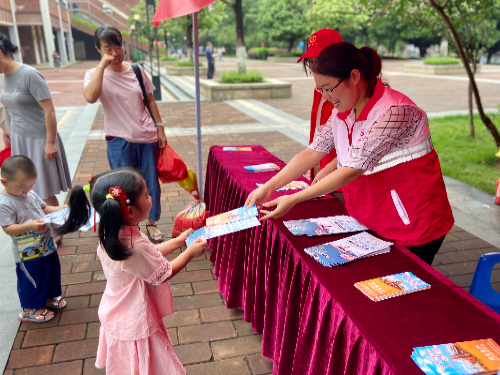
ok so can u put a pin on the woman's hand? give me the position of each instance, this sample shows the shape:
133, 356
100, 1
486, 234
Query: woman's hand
6, 139
106, 60
50, 150
258, 197
162, 138
321, 174
283, 205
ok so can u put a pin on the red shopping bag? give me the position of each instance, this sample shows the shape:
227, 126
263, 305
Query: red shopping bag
170, 166
4, 155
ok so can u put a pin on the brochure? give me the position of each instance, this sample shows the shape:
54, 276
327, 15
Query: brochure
294, 185
234, 215
267, 167
468, 357
236, 149
60, 217
391, 286
348, 249
324, 225
222, 229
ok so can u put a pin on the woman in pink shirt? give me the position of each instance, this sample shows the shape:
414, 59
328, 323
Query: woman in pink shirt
133, 339
133, 137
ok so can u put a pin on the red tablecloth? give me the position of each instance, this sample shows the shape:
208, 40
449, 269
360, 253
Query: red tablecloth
314, 321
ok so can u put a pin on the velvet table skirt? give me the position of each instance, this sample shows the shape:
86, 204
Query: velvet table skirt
314, 321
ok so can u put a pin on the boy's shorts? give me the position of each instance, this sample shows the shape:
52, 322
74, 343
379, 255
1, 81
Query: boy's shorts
45, 273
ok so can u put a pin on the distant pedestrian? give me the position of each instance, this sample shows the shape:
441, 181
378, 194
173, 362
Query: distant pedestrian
57, 61
133, 338
210, 59
37, 263
133, 136
33, 124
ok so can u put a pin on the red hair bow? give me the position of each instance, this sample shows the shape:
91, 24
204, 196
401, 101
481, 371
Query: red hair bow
118, 194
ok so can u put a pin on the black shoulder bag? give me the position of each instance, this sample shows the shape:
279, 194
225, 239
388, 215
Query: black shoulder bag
138, 74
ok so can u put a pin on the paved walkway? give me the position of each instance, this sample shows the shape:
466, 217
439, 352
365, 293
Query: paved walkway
208, 337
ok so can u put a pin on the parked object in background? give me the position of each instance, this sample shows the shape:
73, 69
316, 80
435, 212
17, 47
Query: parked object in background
481, 283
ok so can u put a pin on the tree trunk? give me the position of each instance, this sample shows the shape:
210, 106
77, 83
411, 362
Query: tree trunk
290, 45
471, 113
486, 120
189, 38
241, 50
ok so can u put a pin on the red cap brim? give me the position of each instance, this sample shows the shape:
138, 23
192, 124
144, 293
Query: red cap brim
309, 54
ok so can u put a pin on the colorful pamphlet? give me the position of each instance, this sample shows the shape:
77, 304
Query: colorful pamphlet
468, 357
234, 215
267, 167
391, 286
222, 229
60, 217
294, 185
322, 226
348, 249
236, 149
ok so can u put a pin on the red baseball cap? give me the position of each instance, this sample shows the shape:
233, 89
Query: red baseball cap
319, 41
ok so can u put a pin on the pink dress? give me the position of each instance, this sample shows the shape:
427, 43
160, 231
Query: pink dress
133, 338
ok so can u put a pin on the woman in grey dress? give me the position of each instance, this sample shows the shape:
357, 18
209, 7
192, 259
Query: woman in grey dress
34, 134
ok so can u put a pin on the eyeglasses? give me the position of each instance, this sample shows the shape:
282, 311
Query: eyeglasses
328, 91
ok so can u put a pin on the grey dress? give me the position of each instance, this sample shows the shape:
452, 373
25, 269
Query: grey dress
21, 92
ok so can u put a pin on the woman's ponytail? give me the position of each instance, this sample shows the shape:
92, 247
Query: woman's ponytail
109, 228
6, 46
79, 212
374, 65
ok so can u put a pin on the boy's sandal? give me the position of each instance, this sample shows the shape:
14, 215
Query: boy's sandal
154, 238
30, 316
55, 304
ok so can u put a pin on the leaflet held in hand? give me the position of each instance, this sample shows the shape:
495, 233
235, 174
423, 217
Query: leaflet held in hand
229, 222
267, 167
468, 357
322, 226
391, 286
348, 249
60, 217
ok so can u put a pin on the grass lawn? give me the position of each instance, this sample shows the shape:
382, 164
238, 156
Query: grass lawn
472, 161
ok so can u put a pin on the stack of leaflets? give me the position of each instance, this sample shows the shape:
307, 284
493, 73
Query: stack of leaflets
267, 167
236, 149
228, 222
346, 250
324, 225
60, 217
294, 185
391, 286
469, 357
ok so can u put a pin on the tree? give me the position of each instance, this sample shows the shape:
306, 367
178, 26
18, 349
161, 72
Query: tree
241, 50
285, 20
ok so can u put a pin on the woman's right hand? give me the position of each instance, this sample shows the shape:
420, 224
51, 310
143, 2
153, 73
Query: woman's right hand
321, 174
106, 60
197, 247
259, 196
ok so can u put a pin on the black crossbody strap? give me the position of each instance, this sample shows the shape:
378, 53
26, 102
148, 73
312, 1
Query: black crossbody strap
138, 74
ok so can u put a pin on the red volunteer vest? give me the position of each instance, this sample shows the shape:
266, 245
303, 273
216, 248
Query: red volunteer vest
404, 198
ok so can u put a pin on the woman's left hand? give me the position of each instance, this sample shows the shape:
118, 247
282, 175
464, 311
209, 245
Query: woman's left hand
50, 151
283, 205
162, 139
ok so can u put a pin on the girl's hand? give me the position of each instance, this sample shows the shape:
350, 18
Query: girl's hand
184, 235
197, 247
321, 174
258, 197
283, 205
50, 151
37, 226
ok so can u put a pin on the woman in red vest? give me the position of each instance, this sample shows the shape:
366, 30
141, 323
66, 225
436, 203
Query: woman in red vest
386, 165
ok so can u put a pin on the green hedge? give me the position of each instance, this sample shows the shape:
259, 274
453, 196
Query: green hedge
234, 77
165, 58
289, 54
188, 63
442, 61
257, 52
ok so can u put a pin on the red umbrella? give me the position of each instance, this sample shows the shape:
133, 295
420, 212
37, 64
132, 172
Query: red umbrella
176, 8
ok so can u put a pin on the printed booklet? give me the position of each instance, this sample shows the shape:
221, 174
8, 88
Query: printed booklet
324, 225
391, 286
60, 217
469, 357
228, 222
267, 167
348, 249
294, 185
236, 149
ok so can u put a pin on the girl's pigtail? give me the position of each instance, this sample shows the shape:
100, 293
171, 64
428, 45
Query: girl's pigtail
109, 228
79, 212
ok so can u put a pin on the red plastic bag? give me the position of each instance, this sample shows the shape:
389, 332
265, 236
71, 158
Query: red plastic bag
4, 155
193, 216
170, 166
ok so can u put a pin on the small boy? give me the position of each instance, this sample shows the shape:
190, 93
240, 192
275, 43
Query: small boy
37, 263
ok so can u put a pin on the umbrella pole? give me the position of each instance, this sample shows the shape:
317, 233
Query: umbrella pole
198, 114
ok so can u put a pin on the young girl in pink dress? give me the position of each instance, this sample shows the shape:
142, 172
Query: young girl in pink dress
133, 338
